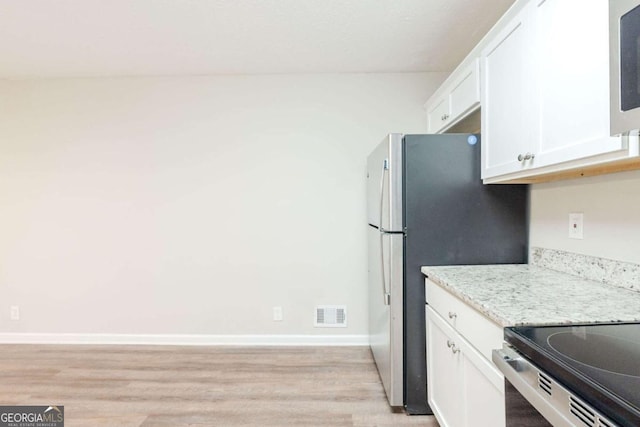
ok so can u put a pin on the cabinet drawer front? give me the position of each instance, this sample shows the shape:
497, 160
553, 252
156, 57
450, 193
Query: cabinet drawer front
481, 332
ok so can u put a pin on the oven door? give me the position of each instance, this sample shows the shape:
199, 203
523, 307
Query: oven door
535, 399
518, 411
624, 42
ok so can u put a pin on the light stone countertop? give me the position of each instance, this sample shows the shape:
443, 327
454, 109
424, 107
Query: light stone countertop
513, 295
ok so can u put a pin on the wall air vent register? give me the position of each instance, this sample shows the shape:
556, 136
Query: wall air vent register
330, 316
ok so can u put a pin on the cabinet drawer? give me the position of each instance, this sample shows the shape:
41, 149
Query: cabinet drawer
482, 333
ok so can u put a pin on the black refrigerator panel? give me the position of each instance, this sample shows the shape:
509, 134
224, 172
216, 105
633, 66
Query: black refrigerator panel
450, 218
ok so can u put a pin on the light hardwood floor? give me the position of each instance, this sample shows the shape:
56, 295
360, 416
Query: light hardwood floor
200, 386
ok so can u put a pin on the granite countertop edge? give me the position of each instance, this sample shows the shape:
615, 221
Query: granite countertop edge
524, 294
484, 310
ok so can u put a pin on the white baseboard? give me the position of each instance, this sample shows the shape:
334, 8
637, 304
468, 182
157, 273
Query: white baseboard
152, 339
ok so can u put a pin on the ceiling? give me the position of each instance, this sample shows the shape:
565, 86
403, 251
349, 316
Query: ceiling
86, 38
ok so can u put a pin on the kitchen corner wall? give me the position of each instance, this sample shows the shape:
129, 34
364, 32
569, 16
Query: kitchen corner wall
611, 207
192, 205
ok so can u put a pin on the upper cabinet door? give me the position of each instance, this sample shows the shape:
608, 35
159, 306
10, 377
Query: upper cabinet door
458, 97
438, 114
545, 94
465, 92
573, 71
508, 97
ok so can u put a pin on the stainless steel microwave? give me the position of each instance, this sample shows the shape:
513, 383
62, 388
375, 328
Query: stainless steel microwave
624, 53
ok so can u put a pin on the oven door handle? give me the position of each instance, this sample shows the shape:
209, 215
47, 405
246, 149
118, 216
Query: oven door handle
507, 360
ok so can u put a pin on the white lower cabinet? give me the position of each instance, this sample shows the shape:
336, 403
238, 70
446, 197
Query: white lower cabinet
464, 388
444, 373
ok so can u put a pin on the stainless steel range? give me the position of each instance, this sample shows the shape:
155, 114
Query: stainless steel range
573, 375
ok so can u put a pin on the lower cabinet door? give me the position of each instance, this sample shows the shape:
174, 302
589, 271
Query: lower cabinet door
444, 373
483, 391
464, 388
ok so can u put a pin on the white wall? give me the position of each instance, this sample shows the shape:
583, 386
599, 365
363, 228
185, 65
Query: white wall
611, 207
191, 205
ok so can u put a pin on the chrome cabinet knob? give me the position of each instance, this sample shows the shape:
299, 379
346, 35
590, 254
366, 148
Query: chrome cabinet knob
452, 315
527, 156
452, 346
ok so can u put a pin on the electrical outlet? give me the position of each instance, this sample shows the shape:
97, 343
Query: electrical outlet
576, 225
277, 314
15, 312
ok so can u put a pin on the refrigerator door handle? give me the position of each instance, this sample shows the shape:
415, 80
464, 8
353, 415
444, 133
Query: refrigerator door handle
385, 168
386, 295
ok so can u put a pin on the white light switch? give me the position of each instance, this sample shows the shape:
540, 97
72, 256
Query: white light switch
576, 223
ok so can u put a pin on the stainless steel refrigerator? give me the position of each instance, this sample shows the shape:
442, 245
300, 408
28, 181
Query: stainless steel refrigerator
427, 206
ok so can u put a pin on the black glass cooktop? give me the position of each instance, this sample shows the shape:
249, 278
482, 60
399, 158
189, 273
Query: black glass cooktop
600, 363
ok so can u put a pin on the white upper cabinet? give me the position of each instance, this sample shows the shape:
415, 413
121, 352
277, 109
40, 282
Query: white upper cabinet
438, 114
545, 92
508, 108
573, 72
456, 98
464, 95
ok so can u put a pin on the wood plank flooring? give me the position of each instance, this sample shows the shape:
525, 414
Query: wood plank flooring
200, 386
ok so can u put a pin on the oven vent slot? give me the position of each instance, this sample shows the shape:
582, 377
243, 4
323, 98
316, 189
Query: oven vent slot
603, 423
583, 413
544, 383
